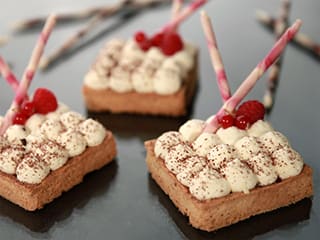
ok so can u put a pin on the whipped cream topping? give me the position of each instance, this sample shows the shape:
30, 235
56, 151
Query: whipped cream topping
259, 128
176, 158
73, 141
71, 120
32, 169
191, 129
131, 48
232, 160
10, 156
248, 147
166, 81
191, 167
34, 122
55, 115
262, 166
287, 162
240, 177
31, 152
142, 80
272, 141
95, 81
205, 142
51, 129
15, 133
173, 66
184, 61
231, 135
209, 184
120, 66
220, 154
94, 133
120, 80
155, 54
49, 151
165, 142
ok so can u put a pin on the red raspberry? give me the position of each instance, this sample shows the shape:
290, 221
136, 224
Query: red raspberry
140, 36
242, 122
226, 121
145, 45
171, 43
44, 101
252, 109
27, 108
19, 118
157, 39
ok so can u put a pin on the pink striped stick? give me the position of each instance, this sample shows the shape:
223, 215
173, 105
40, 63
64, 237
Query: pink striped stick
28, 73
273, 79
8, 75
176, 7
215, 55
230, 105
174, 23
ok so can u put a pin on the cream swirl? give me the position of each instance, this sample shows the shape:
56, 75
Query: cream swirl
73, 141
93, 80
71, 120
175, 160
165, 142
191, 129
205, 142
287, 162
15, 133
230, 135
209, 184
120, 80
10, 156
94, 133
32, 169
240, 177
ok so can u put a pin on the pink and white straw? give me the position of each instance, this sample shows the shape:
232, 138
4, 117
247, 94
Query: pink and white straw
176, 7
230, 105
185, 13
215, 57
28, 73
8, 74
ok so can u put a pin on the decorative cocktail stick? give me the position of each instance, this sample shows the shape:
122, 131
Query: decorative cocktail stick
215, 57
78, 15
176, 7
273, 78
8, 75
28, 73
230, 105
300, 39
185, 13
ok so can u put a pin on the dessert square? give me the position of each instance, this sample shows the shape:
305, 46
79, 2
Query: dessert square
218, 179
127, 79
50, 154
